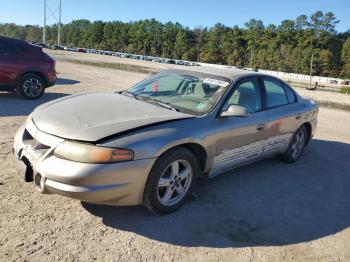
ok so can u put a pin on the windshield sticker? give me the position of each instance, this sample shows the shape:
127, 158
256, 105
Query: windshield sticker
215, 82
200, 106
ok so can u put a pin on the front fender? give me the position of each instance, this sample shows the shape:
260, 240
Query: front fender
153, 141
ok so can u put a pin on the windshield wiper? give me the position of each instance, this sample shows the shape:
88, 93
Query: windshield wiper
166, 105
129, 94
153, 100
158, 102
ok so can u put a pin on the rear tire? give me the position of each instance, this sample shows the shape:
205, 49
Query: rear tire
171, 181
297, 146
30, 86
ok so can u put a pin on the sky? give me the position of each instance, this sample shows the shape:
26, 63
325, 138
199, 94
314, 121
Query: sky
189, 13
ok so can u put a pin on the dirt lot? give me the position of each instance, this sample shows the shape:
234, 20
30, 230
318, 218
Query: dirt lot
269, 211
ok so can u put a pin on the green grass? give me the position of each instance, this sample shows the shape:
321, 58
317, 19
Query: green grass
344, 90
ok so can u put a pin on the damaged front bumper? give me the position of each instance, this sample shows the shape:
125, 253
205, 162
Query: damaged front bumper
116, 183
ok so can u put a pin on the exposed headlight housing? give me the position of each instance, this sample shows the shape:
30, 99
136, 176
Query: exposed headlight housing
87, 153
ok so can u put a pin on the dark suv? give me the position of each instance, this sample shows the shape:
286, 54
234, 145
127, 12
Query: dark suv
25, 68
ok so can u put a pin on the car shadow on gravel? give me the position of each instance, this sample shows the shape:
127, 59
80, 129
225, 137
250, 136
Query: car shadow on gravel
66, 81
13, 105
269, 203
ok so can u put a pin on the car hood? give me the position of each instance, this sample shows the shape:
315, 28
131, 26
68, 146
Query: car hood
90, 117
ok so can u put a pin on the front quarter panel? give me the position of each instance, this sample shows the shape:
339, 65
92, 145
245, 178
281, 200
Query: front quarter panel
155, 140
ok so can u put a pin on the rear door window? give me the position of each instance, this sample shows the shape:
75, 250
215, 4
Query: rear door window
275, 94
290, 94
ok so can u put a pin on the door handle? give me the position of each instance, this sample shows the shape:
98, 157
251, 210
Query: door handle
260, 127
298, 116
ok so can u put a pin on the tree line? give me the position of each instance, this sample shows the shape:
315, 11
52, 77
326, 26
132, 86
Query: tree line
285, 47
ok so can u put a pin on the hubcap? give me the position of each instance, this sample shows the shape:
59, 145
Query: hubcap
174, 182
298, 144
32, 87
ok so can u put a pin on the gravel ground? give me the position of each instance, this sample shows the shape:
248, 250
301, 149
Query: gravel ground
324, 96
268, 211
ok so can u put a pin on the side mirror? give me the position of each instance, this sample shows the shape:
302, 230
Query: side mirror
235, 110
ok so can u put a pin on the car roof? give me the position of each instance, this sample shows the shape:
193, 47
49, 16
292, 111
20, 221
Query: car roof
228, 72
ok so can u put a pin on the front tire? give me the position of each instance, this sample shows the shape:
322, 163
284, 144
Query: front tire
171, 181
297, 146
30, 86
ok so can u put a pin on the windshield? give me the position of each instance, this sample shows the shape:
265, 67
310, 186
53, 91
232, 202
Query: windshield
184, 91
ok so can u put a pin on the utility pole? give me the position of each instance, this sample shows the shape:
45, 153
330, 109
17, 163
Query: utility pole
44, 28
54, 15
198, 52
59, 25
251, 57
312, 59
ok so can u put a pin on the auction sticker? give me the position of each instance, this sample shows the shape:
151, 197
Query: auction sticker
200, 106
215, 82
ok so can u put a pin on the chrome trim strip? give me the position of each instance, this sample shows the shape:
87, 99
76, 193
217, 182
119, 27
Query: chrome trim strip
230, 159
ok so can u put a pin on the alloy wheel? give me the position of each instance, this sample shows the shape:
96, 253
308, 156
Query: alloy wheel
32, 87
174, 182
298, 143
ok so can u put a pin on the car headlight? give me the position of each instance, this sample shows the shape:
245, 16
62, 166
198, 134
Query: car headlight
87, 153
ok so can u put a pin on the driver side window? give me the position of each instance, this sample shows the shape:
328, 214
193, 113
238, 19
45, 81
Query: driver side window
247, 94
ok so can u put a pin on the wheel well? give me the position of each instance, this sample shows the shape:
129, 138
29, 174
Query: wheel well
35, 73
198, 151
309, 131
